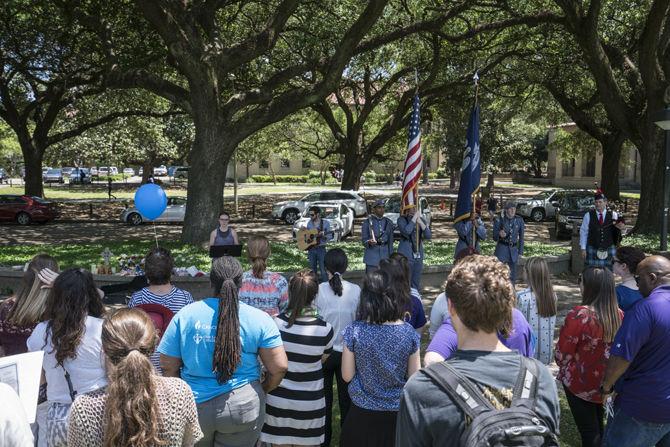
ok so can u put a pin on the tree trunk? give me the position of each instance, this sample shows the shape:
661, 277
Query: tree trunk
147, 169
609, 171
354, 166
209, 158
651, 188
489, 180
32, 158
452, 178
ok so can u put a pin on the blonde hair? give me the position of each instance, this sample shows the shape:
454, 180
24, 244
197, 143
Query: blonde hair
31, 301
258, 250
131, 411
539, 281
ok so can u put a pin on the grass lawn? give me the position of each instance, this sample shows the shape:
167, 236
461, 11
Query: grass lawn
285, 256
127, 191
631, 195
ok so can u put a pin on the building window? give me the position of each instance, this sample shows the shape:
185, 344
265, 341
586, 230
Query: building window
263, 164
589, 166
285, 163
306, 163
568, 168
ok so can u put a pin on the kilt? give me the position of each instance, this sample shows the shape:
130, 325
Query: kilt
593, 261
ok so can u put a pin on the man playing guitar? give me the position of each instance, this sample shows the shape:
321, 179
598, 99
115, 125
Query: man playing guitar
317, 253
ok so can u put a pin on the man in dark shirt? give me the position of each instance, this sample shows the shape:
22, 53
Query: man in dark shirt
428, 416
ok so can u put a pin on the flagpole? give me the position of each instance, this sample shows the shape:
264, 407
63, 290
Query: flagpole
418, 208
473, 198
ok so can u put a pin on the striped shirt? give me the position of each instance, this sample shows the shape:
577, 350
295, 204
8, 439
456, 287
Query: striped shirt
174, 300
269, 294
296, 409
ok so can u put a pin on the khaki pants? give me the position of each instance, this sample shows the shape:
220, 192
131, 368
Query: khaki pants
233, 419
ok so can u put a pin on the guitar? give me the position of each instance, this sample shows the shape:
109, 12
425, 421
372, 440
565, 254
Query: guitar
307, 238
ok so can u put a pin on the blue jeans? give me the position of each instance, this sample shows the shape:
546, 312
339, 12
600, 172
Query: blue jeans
626, 430
512, 271
316, 257
416, 267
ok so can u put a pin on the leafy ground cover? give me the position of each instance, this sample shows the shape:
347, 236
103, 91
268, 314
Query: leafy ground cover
285, 256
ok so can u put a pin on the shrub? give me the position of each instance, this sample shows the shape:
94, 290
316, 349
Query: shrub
370, 177
280, 179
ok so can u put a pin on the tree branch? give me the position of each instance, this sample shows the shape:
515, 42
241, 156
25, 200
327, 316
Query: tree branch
61, 136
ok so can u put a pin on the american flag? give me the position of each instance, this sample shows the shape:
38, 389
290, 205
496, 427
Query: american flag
413, 161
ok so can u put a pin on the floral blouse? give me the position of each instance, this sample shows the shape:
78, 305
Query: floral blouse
12, 337
581, 353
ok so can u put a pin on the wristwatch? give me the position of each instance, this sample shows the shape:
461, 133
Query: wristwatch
604, 391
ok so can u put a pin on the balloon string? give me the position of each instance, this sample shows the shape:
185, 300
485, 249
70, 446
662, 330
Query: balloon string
155, 235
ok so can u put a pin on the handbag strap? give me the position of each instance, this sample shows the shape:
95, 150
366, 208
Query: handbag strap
73, 392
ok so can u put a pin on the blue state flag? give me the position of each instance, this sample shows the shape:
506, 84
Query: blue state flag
471, 169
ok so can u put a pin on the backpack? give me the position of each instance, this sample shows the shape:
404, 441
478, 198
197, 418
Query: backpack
517, 425
159, 314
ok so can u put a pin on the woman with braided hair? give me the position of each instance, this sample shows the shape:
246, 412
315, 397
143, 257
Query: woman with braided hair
138, 407
214, 346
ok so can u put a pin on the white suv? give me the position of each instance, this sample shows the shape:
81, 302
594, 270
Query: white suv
290, 211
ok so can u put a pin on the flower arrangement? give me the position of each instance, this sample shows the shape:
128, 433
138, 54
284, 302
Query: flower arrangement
131, 264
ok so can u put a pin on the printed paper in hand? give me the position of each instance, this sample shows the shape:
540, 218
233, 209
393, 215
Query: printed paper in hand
22, 372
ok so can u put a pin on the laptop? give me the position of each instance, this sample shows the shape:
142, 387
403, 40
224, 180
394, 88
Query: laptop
217, 251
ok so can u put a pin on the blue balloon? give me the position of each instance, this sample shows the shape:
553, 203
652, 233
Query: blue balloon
150, 200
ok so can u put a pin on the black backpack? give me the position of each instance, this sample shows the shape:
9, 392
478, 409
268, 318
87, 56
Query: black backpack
517, 425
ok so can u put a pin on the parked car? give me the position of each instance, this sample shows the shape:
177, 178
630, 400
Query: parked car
540, 206
3, 176
290, 211
67, 171
26, 209
392, 211
571, 209
103, 171
130, 172
340, 217
180, 172
54, 176
175, 211
93, 171
76, 177
141, 171
160, 171
44, 172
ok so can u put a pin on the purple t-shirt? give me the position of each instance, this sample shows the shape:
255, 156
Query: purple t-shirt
644, 340
445, 341
417, 315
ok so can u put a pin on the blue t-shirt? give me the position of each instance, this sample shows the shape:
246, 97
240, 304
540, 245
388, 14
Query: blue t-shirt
417, 316
626, 297
445, 341
191, 336
644, 340
381, 352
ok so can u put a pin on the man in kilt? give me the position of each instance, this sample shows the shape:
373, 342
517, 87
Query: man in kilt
600, 233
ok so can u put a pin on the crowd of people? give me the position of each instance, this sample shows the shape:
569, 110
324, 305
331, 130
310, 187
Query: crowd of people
260, 360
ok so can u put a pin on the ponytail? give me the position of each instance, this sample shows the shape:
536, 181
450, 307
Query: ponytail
258, 250
226, 277
131, 412
227, 348
259, 265
335, 282
336, 263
